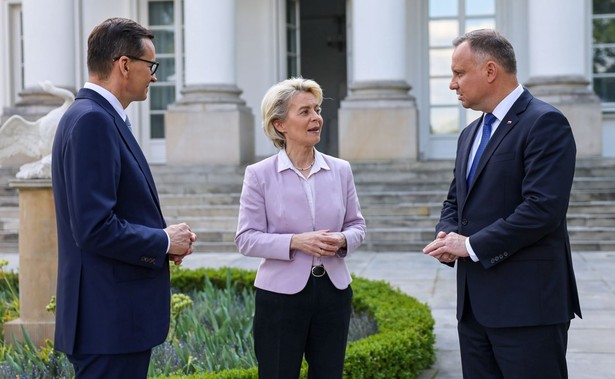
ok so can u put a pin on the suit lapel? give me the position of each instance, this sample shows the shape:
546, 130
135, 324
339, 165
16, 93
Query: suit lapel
506, 124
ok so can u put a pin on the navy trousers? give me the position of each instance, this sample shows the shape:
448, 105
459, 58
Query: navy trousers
532, 352
105, 366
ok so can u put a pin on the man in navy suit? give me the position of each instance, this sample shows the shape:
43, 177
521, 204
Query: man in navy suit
506, 226
113, 291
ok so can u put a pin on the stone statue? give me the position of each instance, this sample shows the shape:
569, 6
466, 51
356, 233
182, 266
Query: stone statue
33, 139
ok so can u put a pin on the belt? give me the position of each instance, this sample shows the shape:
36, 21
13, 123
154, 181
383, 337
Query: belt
318, 271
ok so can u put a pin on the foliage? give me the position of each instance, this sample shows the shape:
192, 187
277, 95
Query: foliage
9, 297
211, 335
401, 348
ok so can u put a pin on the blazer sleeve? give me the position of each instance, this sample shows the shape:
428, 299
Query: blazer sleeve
354, 227
92, 163
252, 238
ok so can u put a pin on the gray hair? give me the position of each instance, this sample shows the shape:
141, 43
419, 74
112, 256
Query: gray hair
277, 100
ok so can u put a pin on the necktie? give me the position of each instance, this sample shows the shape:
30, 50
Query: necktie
128, 124
484, 139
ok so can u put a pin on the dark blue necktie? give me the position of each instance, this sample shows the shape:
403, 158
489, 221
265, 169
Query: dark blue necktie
128, 124
484, 139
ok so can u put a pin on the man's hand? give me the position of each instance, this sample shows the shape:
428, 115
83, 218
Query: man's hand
181, 242
447, 247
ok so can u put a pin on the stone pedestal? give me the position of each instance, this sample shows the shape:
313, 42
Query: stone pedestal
378, 121
582, 108
38, 262
209, 125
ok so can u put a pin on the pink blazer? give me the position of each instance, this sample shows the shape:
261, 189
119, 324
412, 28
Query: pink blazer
273, 207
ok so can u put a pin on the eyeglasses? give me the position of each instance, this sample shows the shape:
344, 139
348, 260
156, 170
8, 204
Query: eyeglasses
152, 68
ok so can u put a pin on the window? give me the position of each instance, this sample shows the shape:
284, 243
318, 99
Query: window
603, 64
447, 20
292, 38
163, 20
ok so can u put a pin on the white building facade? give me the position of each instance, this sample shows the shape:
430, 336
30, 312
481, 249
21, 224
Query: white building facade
384, 66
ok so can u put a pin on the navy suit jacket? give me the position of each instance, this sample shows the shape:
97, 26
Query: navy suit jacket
113, 291
515, 216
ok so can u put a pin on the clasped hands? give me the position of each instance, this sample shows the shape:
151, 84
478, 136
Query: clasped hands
181, 241
319, 243
447, 248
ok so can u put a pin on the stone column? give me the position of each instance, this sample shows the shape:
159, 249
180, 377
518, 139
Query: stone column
210, 109
557, 70
49, 54
38, 262
378, 120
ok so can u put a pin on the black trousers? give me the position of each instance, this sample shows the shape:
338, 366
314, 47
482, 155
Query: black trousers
313, 322
105, 366
533, 352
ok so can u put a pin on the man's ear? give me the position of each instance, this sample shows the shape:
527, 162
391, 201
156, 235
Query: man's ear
491, 68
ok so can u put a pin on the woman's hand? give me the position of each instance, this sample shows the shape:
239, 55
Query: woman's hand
320, 243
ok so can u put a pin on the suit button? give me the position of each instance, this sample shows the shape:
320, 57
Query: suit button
493, 260
506, 253
464, 222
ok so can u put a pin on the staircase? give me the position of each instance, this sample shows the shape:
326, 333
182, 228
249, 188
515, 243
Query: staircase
400, 200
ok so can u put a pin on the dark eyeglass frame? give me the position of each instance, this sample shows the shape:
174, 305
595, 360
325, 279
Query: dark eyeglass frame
152, 68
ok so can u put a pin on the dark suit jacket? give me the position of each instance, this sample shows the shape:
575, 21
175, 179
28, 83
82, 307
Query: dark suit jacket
113, 293
515, 216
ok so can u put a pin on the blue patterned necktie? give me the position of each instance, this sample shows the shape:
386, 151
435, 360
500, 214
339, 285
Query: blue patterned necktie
484, 139
128, 124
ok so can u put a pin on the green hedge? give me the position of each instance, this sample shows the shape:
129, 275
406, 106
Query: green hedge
402, 348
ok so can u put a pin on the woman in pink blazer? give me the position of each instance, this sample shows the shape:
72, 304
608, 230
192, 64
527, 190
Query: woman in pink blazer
300, 213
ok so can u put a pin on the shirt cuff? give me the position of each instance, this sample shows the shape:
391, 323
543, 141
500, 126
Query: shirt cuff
168, 241
470, 250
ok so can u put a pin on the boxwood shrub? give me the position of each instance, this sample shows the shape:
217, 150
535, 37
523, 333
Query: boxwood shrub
402, 348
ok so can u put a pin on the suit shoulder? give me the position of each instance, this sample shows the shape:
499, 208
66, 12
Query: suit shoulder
269, 163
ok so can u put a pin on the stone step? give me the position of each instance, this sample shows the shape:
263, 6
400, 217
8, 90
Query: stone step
401, 201
207, 223
9, 247
591, 220
9, 236
592, 207
181, 211
9, 200
169, 200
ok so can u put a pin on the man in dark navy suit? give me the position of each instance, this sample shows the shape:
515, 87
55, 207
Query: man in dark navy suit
113, 292
504, 220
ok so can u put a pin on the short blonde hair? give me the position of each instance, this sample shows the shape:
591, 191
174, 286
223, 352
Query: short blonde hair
276, 101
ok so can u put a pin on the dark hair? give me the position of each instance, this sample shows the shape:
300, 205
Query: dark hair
487, 43
112, 38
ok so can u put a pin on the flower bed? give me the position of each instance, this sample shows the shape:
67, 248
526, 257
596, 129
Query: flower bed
402, 348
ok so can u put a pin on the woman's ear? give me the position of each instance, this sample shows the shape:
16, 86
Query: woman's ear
279, 126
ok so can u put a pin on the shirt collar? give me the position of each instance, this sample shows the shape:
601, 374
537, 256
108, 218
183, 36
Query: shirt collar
284, 162
504, 106
115, 103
